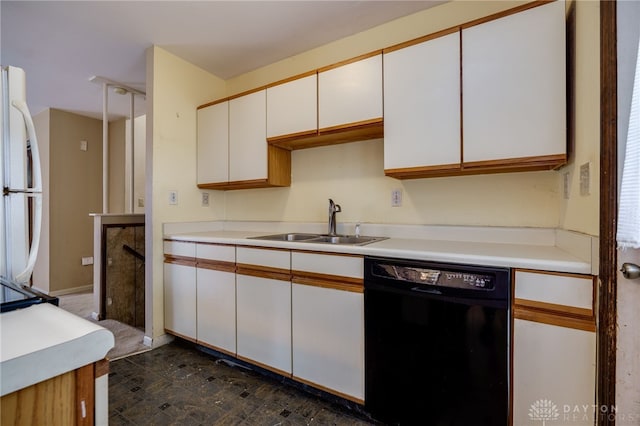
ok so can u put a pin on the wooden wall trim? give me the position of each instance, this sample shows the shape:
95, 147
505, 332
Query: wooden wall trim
607, 313
350, 61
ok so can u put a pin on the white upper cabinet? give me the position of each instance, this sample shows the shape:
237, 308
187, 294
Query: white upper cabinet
422, 105
213, 143
292, 107
350, 93
513, 86
247, 137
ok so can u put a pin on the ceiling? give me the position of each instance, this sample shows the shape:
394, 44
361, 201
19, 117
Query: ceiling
61, 44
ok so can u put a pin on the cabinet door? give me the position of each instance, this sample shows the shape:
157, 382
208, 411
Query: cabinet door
555, 364
180, 299
350, 93
248, 137
292, 107
422, 104
264, 321
216, 307
328, 338
213, 143
513, 86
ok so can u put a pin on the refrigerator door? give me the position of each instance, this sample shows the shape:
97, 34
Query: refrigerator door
20, 161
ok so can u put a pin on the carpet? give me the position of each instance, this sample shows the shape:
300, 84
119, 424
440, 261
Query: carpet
128, 340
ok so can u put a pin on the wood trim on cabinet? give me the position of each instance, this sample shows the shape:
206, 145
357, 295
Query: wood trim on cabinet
352, 132
180, 260
278, 173
543, 162
216, 348
553, 308
263, 272
182, 336
557, 274
354, 285
85, 395
504, 13
350, 61
422, 39
101, 368
527, 314
424, 171
216, 265
264, 366
290, 79
328, 390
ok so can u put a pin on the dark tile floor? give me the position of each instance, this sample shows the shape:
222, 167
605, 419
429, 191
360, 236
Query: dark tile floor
177, 384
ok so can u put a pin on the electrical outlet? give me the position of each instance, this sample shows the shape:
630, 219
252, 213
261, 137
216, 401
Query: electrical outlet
585, 179
87, 261
173, 197
396, 197
205, 199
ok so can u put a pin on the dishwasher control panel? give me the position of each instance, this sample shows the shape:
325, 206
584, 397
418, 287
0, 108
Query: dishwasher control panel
434, 277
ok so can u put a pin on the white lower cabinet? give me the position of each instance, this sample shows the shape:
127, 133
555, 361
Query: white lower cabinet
264, 321
180, 299
216, 307
328, 339
553, 366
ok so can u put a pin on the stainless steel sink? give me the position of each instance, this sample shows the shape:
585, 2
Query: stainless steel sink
321, 238
286, 237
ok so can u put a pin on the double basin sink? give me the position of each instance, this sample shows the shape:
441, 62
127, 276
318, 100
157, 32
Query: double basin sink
354, 240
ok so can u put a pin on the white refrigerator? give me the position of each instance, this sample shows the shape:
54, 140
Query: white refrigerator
21, 209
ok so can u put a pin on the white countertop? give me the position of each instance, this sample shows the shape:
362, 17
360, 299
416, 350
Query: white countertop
44, 341
540, 256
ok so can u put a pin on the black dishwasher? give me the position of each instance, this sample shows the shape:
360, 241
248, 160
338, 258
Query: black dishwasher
437, 345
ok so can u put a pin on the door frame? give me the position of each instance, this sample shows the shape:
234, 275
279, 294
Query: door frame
607, 291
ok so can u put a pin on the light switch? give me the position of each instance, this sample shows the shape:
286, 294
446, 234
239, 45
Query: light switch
83, 145
585, 179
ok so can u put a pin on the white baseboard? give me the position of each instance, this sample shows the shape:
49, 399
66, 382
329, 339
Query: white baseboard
158, 341
81, 289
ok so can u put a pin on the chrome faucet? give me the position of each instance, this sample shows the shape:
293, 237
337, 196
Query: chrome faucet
333, 209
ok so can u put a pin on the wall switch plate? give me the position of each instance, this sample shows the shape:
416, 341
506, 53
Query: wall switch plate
173, 198
83, 145
87, 261
205, 199
566, 185
140, 202
396, 197
585, 179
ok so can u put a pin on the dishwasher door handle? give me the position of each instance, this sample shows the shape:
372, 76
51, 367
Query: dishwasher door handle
426, 290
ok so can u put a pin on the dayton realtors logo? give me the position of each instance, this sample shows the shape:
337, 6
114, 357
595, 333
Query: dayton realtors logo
543, 410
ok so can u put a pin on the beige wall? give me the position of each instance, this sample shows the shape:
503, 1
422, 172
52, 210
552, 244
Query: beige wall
117, 148
73, 189
352, 174
119, 168
174, 89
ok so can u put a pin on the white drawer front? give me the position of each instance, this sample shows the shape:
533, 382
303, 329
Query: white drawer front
216, 252
557, 289
270, 258
343, 266
180, 248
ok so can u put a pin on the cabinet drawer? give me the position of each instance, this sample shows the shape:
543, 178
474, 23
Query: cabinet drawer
180, 248
216, 252
327, 264
566, 290
280, 259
